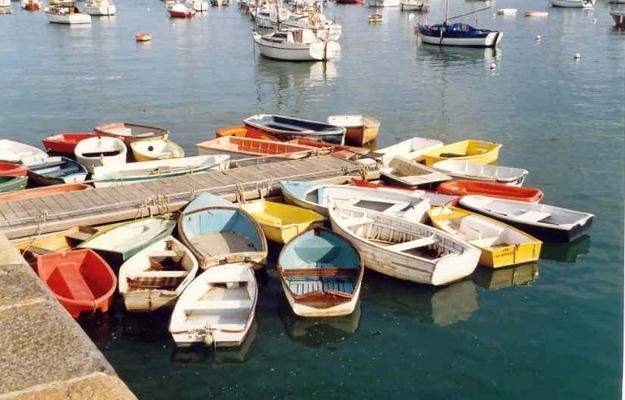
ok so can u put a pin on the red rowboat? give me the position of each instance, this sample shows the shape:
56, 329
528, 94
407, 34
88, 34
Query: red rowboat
336, 150
80, 280
43, 191
490, 189
244, 131
436, 199
8, 169
64, 143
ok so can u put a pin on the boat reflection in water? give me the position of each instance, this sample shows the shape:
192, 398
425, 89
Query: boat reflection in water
316, 332
521, 275
441, 306
458, 55
566, 252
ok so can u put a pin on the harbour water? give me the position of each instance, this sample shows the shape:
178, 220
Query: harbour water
546, 330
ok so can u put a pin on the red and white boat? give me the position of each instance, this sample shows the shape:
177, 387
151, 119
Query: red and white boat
31, 5
10, 169
64, 143
490, 189
180, 10
618, 14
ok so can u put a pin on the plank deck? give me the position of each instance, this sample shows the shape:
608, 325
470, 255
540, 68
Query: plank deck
112, 204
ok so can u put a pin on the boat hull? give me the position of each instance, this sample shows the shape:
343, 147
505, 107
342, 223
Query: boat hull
12, 183
317, 51
286, 128
492, 39
619, 19
64, 143
105, 9
383, 3
43, 192
572, 3
475, 151
490, 189
69, 19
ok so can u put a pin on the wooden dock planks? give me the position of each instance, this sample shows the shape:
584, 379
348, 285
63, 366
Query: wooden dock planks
107, 205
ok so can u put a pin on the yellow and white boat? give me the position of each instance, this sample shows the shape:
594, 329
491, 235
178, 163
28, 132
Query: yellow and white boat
281, 222
476, 151
54, 242
502, 245
155, 149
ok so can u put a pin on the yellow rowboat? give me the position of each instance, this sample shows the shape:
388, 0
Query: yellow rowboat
475, 151
155, 149
502, 245
55, 242
281, 222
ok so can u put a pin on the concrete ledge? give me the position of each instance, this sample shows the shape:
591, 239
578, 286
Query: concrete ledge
44, 353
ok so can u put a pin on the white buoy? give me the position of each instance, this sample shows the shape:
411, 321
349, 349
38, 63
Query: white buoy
577, 56
493, 66
538, 37
594, 20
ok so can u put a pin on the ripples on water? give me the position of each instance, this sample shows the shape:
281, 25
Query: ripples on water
550, 329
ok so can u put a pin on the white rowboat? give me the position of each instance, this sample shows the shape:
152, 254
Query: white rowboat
482, 172
99, 151
411, 149
20, 153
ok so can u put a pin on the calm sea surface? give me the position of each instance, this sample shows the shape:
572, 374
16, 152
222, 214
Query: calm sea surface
550, 330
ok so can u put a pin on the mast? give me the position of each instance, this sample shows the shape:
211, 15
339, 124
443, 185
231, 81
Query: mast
446, 11
278, 16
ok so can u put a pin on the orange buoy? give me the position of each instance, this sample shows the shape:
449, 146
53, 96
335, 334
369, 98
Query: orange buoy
143, 37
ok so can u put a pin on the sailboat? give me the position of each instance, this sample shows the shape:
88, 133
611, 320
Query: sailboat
458, 34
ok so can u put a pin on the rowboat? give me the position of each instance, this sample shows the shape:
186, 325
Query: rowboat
19, 153
12, 183
10, 169
414, 5
282, 222
506, 11
573, 3
218, 232
57, 242
143, 36
534, 13
435, 199
314, 196
155, 149
490, 189
56, 171
99, 151
244, 132
541, 220
240, 148
157, 275
64, 143
476, 151
404, 172
501, 244
31, 5
287, 128
482, 172
129, 132
321, 274
217, 308
120, 242
43, 192
403, 249
410, 149
359, 129
123, 174
376, 17
336, 150
79, 279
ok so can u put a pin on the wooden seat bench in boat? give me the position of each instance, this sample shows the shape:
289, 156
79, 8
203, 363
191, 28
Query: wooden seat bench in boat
301, 287
163, 254
77, 287
59, 171
317, 272
210, 306
421, 242
37, 250
159, 274
533, 216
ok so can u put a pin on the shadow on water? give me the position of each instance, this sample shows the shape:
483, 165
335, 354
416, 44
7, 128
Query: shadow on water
441, 306
521, 275
566, 252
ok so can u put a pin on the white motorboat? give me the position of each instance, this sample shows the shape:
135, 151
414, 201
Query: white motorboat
573, 3
66, 13
316, 22
100, 150
5, 7
198, 5
383, 3
482, 172
20, 153
296, 45
98, 7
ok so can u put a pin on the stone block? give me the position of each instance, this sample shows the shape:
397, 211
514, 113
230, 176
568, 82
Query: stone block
98, 387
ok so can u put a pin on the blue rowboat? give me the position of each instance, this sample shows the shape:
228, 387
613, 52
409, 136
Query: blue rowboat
218, 232
321, 274
458, 34
287, 128
56, 171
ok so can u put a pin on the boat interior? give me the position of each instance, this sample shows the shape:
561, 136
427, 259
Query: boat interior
167, 269
76, 278
134, 234
412, 173
463, 148
256, 146
270, 213
535, 213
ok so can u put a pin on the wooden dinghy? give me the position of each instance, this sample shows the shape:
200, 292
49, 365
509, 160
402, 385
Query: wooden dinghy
238, 148
321, 274
336, 150
43, 192
403, 249
490, 189
476, 151
410, 149
360, 129
155, 149
56, 171
64, 143
100, 150
129, 132
12, 183
282, 222
79, 279
244, 132
58, 242
541, 220
217, 308
157, 275
123, 174
10, 169
435, 199
288, 128
19, 153
218, 232
482, 172
120, 242
314, 196
501, 244
404, 172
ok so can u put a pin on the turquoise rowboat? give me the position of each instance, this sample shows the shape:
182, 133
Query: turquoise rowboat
321, 274
12, 183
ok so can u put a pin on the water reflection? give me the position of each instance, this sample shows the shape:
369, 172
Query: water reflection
566, 252
521, 275
441, 306
316, 332
457, 55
